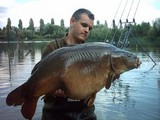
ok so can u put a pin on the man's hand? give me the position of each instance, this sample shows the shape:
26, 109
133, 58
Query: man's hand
59, 93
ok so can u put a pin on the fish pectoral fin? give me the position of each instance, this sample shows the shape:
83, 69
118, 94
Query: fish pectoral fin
90, 100
29, 107
111, 78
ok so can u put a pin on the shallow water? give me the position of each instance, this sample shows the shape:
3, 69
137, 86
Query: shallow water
134, 96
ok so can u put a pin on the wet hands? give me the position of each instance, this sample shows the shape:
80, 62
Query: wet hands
59, 93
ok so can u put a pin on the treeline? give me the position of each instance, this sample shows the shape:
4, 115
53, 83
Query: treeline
146, 32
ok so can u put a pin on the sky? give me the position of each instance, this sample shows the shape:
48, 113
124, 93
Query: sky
147, 10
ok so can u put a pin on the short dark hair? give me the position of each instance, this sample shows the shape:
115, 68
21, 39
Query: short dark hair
77, 14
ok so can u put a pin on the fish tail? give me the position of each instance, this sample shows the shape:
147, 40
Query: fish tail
20, 96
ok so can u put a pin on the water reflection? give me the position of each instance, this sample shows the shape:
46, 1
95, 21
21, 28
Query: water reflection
135, 95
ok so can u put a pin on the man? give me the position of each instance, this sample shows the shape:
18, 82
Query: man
59, 106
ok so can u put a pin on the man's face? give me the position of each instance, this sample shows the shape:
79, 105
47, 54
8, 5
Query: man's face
81, 28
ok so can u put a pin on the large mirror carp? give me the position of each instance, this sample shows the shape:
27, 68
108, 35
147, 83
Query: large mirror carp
80, 71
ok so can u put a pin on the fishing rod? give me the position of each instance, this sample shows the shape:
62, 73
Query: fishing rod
114, 17
118, 22
122, 43
143, 48
130, 10
136, 11
130, 33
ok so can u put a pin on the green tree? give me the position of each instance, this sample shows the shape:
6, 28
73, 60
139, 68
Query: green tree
52, 21
31, 25
98, 23
98, 33
8, 23
20, 25
10, 33
42, 25
156, 27
30, 33
145, 26
8, 29
156, 32
105, 23
62, 23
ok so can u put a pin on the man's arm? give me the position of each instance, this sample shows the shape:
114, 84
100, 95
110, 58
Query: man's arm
50, 47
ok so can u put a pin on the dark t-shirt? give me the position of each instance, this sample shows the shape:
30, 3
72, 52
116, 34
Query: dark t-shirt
53, 45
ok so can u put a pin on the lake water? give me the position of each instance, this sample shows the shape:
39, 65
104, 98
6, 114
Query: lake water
134, 96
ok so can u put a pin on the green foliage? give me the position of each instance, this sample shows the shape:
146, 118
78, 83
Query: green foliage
148, 34
2, 33
52, 21
156, 31
41, 27
98, 33
20, 25
62, 23
31, 25
10, 35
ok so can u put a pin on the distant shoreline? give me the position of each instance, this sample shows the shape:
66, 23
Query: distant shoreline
23, 42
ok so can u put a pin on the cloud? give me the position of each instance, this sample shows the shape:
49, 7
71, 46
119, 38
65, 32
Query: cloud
147, 11
3, 12
63, 9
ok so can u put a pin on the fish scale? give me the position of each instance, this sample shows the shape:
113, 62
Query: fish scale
81, 71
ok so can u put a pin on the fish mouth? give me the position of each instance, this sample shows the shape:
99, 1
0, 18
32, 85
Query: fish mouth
138, 63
